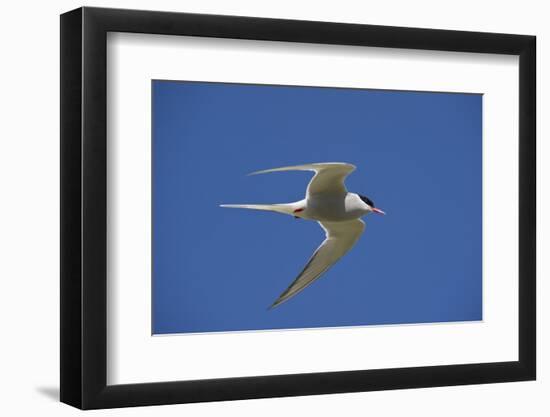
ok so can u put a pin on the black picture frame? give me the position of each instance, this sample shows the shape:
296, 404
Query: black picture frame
84, 197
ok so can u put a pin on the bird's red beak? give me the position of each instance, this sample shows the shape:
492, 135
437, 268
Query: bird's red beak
377, 210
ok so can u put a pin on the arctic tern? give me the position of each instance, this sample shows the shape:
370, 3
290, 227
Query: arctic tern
337, 211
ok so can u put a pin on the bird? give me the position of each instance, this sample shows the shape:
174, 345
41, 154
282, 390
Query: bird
337, 211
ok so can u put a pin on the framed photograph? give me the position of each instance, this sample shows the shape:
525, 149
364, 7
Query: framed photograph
386, 239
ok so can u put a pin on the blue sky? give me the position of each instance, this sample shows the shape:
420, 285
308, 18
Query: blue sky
418, 156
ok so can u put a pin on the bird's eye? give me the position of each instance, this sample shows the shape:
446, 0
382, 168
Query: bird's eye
367, 200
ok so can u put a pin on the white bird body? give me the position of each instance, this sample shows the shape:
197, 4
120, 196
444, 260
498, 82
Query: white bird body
328, 202
332, 207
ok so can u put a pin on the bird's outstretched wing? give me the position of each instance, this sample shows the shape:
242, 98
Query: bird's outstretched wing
329, 176
340, 238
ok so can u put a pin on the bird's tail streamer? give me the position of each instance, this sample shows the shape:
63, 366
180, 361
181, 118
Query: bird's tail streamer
279, 208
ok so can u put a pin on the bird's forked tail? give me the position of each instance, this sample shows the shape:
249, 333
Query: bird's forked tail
279, 208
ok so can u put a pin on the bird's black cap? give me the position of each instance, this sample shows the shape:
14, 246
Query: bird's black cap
367, 200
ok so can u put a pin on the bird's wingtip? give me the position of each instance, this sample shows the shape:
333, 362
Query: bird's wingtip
276, 303
263, 171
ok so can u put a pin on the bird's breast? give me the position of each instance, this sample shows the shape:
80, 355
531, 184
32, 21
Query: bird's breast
329, 207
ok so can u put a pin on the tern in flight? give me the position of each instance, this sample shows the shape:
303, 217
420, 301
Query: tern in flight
328, 202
